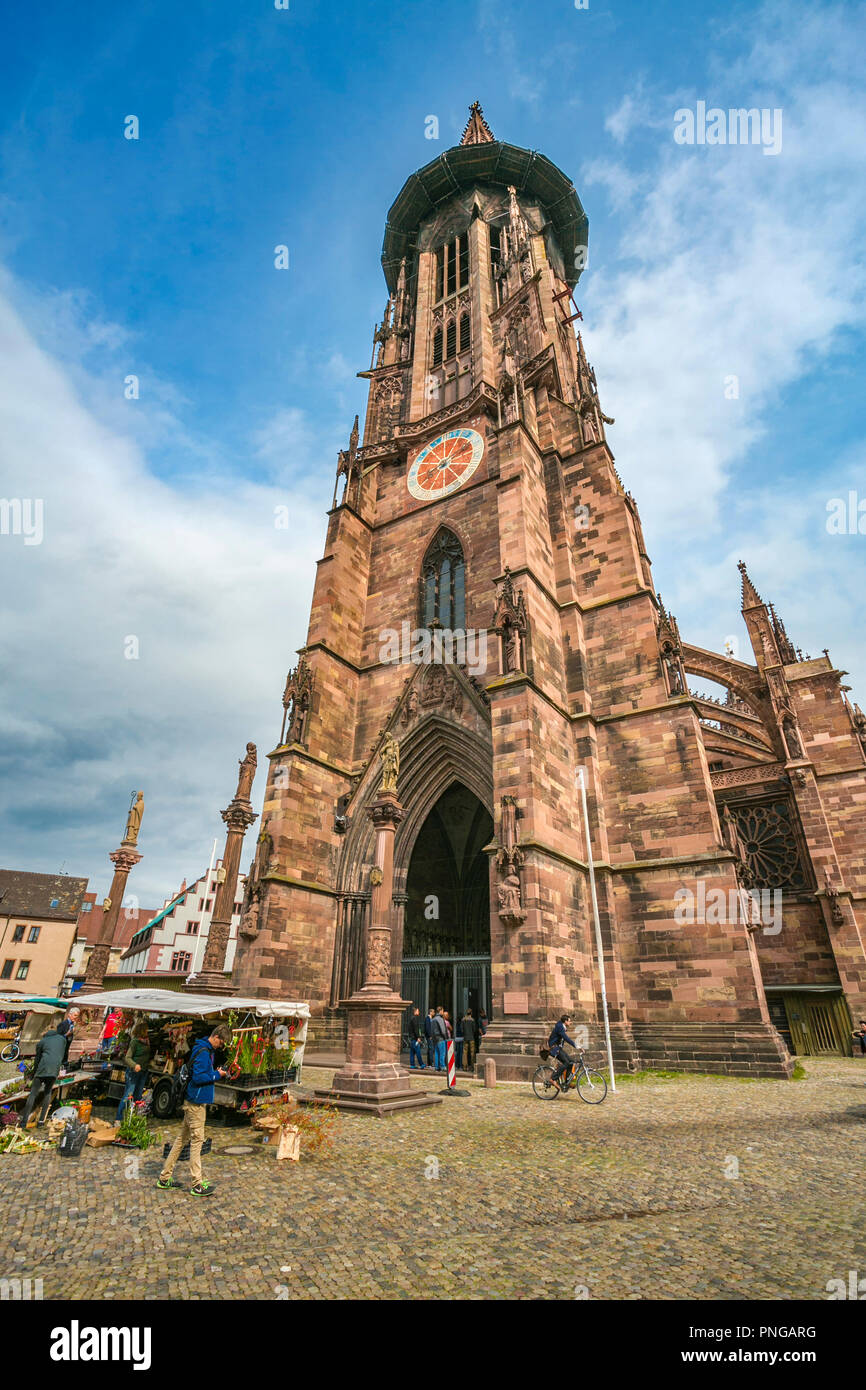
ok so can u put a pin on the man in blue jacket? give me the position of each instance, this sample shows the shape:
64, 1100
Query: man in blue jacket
199, 1095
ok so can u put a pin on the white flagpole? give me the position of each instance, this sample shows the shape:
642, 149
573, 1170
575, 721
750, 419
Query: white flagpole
581, 782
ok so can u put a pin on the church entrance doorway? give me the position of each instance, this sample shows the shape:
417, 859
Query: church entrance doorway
446, 933
812, 1022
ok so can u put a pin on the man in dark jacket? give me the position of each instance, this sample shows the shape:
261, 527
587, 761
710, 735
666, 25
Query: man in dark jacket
67, 1028
439, 1029
555, 1042
50, 1050
428, 1034
415, 1036
468, 1038
199, 1095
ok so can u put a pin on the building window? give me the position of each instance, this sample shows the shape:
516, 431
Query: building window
209, 904
180, 960
451, 339
437, 347
21, 972
769, 844
495, 250
451, 267
55, 902
464, 332
443, 583
86, 907
18, 933
6, 972
33, 934
193, 927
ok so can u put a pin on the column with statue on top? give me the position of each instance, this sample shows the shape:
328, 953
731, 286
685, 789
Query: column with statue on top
372, 1078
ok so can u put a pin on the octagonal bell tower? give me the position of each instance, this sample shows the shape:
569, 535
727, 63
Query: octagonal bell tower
485, 599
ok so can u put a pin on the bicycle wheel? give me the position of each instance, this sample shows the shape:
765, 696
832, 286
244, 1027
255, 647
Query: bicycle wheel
591, 1086
10, 1053
542, 1084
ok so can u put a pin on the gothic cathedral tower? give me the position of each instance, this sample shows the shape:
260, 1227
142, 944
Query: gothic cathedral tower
485, 597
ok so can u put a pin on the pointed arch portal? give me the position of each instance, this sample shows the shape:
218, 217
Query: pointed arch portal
446, 924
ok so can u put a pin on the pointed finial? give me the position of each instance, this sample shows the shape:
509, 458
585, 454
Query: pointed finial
751, 597
477, 130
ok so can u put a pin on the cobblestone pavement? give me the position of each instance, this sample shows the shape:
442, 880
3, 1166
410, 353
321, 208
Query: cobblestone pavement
672, 1189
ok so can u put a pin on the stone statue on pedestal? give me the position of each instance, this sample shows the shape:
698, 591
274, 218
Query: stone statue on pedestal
390, 756
133, 823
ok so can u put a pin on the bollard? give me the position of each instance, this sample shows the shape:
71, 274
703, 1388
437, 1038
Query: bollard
489, 1073
452, 1073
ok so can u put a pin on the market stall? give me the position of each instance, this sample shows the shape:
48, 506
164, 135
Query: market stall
265, 1055
41, 1013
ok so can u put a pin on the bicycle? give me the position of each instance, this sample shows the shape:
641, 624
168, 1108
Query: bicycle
12, 1050
589, 1084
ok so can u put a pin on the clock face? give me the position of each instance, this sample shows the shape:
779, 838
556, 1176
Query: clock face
445, 464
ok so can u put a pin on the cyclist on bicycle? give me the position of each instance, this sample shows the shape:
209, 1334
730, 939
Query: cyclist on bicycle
555, 1042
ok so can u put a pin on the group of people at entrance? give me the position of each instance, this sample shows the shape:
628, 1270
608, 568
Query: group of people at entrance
433, 1033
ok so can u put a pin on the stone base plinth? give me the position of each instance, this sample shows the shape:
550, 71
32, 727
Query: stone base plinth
372, 1080
209, 982
725, 1049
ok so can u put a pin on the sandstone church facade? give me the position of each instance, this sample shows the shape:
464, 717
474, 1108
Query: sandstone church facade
483, 499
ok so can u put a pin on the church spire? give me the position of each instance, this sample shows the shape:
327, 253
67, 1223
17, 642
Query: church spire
751, 597
477, 130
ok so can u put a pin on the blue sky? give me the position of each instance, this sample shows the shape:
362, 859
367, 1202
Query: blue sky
155, 257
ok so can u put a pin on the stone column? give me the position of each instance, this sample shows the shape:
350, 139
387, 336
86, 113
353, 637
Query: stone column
400, 901
238, 816
372, 1078
124, 858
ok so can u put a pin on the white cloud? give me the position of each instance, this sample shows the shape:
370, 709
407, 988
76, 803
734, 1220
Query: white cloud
732, 264
216, 595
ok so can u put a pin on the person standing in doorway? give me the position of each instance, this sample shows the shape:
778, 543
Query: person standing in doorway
428, 1034
415, 1036
440, 1037
458, 1044
481, 1029
468, 1027
199, 1095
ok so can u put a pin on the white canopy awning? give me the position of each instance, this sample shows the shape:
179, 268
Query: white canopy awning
18, 1003
169, 1001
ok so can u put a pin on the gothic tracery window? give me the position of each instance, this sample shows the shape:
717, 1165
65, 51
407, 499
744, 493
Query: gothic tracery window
770, 844
443, 583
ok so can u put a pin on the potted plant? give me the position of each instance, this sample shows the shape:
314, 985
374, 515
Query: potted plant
290, 1125
133, 1131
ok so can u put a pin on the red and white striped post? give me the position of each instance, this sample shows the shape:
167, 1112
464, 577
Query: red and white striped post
452, 1065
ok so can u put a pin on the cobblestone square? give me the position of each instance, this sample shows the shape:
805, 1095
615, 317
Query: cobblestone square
675, 1188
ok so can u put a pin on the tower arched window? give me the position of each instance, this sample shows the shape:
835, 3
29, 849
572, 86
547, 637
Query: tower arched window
464, 332
451, 339
451, 271
443, 583
437, 347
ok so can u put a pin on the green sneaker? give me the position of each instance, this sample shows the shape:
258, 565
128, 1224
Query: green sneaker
203, 1189
163, 1183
